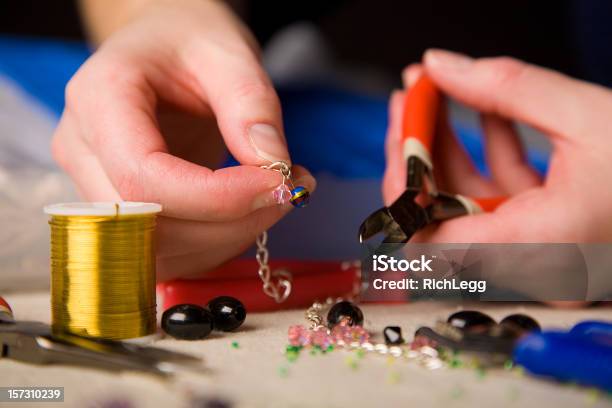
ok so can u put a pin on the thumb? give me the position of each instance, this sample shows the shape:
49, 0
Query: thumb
244, 102
539, 97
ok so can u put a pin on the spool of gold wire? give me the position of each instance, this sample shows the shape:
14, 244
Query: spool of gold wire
103, 269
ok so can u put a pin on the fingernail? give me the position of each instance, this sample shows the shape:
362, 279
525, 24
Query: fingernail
410, 76
447, 60
268, 142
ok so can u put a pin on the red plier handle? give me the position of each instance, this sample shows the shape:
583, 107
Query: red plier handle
420, 116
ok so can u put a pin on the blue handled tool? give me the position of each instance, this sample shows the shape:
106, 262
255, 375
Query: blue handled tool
582, 355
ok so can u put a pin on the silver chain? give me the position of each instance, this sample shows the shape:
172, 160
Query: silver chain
314, 314
276, 284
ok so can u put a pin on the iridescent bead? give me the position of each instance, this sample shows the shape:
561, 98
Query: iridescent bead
359, 334
299, 197
282, 194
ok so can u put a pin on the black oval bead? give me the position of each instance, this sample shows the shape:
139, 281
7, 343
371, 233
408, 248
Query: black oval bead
187, 322
228, 313
520, 322
471, 321
345, 310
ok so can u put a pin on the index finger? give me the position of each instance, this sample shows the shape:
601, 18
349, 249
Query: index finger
540, 97
134, 155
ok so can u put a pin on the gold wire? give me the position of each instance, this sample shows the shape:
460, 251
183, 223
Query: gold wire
103, 276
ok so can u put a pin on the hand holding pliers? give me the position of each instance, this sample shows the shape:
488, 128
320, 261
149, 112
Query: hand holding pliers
405, 216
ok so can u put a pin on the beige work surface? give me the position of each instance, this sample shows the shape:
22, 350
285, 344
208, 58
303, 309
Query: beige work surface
249, 375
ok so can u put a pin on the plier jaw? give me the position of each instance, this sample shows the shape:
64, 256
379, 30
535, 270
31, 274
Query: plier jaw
35, 343
398, 222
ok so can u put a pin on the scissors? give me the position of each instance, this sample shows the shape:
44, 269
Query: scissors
404, 217
34, 343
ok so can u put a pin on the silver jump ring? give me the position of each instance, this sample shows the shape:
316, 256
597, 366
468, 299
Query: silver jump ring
280, 166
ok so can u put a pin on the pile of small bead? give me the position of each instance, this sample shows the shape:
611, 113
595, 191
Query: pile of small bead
344, 330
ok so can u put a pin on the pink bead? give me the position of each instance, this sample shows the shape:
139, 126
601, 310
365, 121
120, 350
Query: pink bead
321, 338
299, 336
340, 333
422, 341
281, 194
359, 334
349, 334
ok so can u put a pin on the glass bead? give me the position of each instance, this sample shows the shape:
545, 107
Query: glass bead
345, 334
421, 341
393, 335
187, 322
519, 324
381, 348
282, 194
340, 333
228, 312
321, 338
367, 346
471, 321
299, 336
359, 334
344, 310
300, 197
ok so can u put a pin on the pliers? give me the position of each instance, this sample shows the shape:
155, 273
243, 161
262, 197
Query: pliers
34, 343
405, 216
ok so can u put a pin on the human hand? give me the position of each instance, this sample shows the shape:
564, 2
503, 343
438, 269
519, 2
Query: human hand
572, 204
147, 118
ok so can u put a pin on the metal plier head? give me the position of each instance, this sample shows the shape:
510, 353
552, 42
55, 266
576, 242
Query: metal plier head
34, 343
404, 217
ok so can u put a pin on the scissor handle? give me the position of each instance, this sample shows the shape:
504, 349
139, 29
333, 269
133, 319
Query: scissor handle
421, 106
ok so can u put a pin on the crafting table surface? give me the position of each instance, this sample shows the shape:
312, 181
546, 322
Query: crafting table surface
257, 374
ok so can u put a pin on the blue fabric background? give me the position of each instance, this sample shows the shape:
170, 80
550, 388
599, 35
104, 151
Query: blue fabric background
330, 131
